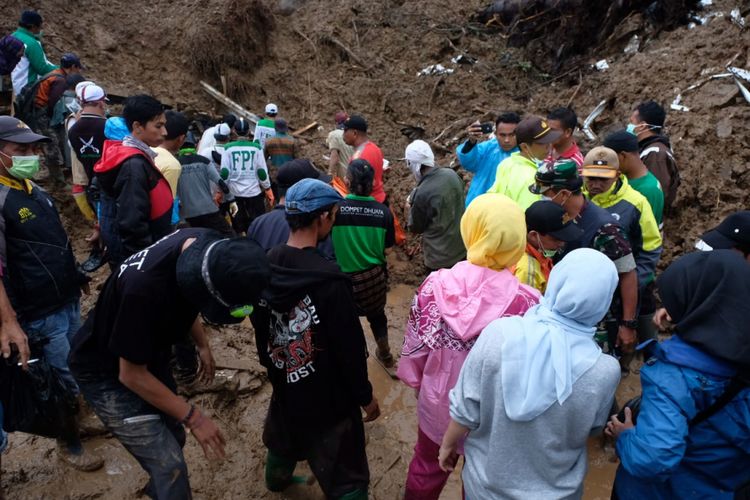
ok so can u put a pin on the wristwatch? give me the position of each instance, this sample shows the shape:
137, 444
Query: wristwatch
629, 323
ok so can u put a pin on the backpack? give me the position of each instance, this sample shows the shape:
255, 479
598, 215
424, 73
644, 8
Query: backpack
24, 108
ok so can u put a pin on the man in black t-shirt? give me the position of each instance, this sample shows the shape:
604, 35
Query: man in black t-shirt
314, 349
120, 357
86, 137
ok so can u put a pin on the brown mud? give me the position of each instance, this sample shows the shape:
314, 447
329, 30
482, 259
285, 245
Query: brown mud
315, 57
31, 469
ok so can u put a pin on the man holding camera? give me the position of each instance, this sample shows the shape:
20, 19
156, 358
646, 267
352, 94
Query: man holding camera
483, 158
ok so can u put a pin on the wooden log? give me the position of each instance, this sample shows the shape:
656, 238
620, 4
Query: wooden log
233, 106
305, 129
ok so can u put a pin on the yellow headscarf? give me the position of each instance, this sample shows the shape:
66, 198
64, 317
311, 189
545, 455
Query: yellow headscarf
493, 228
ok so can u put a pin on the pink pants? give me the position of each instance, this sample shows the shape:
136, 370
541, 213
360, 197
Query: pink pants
425, 480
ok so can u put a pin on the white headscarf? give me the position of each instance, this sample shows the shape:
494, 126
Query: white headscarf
551, 346
419, 154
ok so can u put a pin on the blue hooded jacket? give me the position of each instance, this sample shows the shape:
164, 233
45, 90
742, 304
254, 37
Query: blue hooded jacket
707, 294
662, 457
482, 160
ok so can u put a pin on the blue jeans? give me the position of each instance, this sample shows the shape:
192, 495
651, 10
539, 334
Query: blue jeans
153, 438
110, 232
3, 435
57, 327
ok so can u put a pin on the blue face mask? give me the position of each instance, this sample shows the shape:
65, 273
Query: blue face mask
631, 128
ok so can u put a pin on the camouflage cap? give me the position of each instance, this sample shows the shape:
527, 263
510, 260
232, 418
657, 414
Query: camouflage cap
561, 174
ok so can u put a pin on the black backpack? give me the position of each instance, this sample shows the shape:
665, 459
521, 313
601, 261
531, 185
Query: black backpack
24, 107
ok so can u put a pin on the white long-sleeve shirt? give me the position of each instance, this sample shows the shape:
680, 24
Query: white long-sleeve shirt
244, 168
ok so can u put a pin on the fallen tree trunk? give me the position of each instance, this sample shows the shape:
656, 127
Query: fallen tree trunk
233, 106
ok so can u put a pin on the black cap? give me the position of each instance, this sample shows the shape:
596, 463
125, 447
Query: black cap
280, 125
361, 171
356, 122
733, 231
547, 217
14, 130
229, 119
214, 269
30, 18
621, 141
293, 171
70, 60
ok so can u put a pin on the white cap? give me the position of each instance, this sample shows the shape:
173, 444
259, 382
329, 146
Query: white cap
80, 86
91, 93
222, 129
420, 153
272, 109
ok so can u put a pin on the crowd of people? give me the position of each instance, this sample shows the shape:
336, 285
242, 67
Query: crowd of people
542, 281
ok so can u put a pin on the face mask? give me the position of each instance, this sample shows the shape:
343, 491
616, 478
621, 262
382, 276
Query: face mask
416, 169
24, 167
630, 129
547, 253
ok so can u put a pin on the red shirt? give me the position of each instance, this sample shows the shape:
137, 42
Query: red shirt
573, 153
371, 152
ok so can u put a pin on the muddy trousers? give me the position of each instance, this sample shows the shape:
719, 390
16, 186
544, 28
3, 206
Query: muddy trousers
425, 480
154, 439
249, 209
335, 455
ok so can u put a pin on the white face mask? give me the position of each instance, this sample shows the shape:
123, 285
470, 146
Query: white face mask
416, 169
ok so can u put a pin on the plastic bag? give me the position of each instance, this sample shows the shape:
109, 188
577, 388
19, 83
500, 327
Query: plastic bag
36, 401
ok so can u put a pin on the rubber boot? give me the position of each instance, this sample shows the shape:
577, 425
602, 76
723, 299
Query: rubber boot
383, 352
279, 470
360, 494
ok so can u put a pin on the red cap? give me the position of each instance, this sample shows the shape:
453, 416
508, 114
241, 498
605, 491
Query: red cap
340, 117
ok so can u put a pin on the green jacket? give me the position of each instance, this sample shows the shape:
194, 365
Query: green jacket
34, 63
514, 176
633, 212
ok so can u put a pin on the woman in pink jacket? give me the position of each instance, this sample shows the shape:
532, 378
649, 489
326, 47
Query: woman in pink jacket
448, 313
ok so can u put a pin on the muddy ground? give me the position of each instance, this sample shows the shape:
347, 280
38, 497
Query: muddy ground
31, 469
315, 57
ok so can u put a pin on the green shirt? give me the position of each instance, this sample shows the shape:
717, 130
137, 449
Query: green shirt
650, 188
363, 230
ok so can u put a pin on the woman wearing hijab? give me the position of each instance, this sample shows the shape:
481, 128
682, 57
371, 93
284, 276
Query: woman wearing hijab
692, 437
11, 52
449, 311
534, 388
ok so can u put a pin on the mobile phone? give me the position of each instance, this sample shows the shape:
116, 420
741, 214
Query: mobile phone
487, 127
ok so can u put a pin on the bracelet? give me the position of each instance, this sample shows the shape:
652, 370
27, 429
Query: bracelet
198, 422
187, 418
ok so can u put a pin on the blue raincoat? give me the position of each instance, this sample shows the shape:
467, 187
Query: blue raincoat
663, 457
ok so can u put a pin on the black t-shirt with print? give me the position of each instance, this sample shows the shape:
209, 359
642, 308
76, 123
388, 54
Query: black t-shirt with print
310, 339
140, 314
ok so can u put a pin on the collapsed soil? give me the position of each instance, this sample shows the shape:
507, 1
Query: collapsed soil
315, 57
